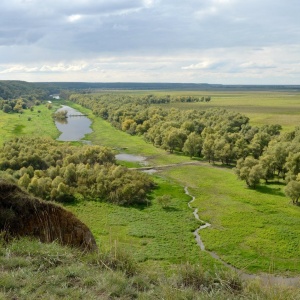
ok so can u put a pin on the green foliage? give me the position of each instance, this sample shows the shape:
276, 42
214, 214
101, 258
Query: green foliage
250, 170
6, 108
57, 171
173, 129
60, 114
164, 200
292, 190
193, 145
11, 89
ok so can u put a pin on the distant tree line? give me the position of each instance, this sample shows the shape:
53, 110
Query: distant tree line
61, 172
12, 89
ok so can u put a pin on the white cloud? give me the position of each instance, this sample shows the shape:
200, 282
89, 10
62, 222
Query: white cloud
18, 69
199, 66
74, 18
254, 65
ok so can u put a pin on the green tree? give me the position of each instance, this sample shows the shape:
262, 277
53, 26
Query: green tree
259, 142
223, 151
193, 145
292, 190
70, 174
175, 139
164, 200
209, 147
241, 148
293, 166
267, 164
6, 108
24, 181
250, 170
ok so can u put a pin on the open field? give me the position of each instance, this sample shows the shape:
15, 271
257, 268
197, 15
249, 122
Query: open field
149, 233
261, 107
254, 230
40, 124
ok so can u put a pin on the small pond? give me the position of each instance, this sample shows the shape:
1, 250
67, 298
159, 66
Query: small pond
130, 157
74, 128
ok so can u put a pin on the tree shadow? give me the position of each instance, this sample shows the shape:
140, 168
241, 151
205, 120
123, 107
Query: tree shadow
266, 189
223, 166
170, 209
141, 206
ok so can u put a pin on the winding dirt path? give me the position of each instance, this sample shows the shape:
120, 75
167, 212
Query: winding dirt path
266, 279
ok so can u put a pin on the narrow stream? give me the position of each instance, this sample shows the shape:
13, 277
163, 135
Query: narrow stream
267, 279
195, 213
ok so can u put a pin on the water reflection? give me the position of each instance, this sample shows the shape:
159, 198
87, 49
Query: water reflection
73, 128
61, 121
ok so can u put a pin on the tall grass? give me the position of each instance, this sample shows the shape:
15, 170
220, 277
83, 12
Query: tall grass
31, 270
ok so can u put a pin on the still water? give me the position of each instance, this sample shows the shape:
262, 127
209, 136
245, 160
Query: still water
130, 157
74, 128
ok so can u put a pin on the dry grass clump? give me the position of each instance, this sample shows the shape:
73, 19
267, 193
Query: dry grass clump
24, 215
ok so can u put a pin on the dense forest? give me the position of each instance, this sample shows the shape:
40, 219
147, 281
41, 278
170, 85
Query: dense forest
62, 172
215, 134
13, 89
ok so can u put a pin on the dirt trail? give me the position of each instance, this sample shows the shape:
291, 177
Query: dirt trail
161, 167
267, 279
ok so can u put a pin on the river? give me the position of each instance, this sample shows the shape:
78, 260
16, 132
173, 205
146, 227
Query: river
74, 128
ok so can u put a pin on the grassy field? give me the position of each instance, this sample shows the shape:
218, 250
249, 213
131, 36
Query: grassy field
32, 270
254, 230
150, 232
268, 239
40, 124
261, 107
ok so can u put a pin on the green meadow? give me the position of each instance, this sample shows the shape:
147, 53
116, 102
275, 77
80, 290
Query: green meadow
32, 123
253, 230
262, 107
151, 232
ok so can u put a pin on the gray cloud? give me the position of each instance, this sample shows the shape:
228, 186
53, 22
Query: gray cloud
183, 39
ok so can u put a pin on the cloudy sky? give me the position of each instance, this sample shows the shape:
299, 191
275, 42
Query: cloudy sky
211, 41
